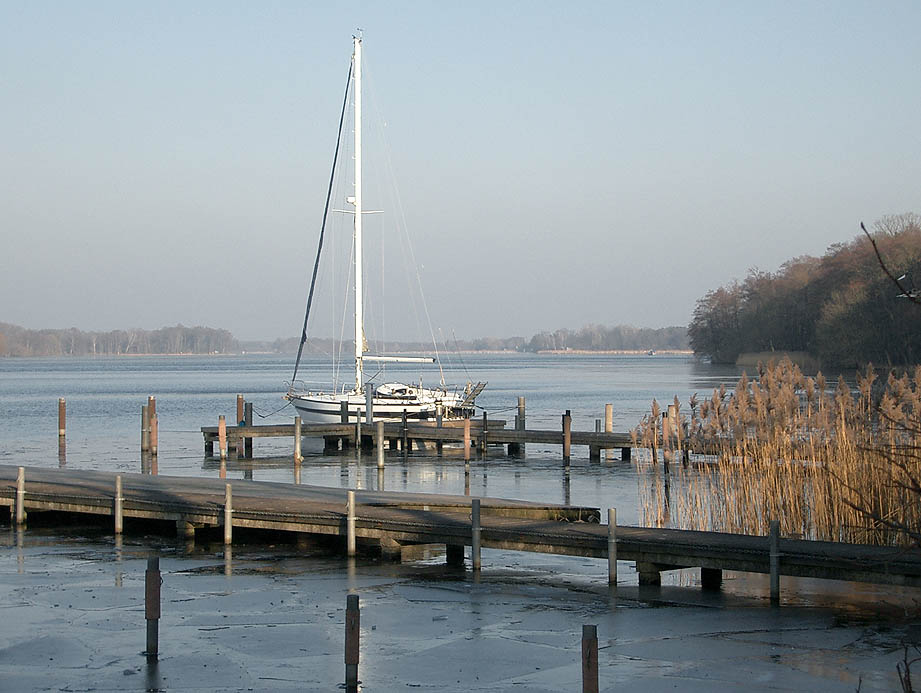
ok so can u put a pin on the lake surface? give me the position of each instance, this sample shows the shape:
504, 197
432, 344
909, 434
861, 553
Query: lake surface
270, 617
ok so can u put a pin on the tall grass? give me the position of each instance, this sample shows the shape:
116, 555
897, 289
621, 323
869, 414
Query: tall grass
828, 463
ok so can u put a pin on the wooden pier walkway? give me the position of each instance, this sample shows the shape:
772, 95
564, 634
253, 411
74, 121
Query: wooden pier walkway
389, 521
344, 435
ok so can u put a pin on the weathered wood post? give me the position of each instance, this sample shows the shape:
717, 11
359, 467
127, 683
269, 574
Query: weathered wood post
153, 424
369, 404
20, 496
62, 418
152, 606
467, 439
350, 524
567, 435
352, 636
154, 434
241, 421
119, 517
228, 515
380, 444
222, 436
145, 429
520, 421
248, 421
608, 418
298, 457
589, 659
439, 423
404, 435
775, 562
485, 432
612, 546
594, 451
358, 429
475, 533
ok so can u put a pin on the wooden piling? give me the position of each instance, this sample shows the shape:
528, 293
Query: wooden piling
152, 606
608, 418
589, 659
467, 439
567, 435
380, 444
612, 546
119, 516
352, 642
344, 412
369, 404
241, 421
248, 421
520, 421
222, 436
20, 496
145, 429
228, 515
475, 533
775, 562
350, 523
62, 418
298, 457
485, 432
404, 435
154, 433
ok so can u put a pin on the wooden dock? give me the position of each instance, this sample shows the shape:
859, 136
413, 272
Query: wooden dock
344, 435
387, 522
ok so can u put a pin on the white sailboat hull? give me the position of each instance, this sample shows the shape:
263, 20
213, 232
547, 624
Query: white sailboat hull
422, 404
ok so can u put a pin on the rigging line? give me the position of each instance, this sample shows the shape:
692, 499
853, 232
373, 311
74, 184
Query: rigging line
271, 413
329, 191
459, 357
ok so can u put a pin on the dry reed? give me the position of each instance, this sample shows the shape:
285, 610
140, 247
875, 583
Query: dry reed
829, 464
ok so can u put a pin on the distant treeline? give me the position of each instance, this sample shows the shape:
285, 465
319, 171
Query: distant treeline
589, 338
841, 308
18, 341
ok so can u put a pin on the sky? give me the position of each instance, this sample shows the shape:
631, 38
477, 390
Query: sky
557, 163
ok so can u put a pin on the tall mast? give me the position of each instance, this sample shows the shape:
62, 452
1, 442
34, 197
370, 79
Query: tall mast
359, 329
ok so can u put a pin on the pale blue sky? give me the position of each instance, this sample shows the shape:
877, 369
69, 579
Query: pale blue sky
558, 163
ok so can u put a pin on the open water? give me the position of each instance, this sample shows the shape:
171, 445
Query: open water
264, 618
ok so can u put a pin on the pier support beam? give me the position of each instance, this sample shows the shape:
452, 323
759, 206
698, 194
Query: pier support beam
20, 496
119, 517
649, 573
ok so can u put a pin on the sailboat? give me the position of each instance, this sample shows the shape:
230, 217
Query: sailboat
364, 399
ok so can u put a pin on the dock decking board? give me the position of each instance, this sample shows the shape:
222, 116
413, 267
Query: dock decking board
415, 518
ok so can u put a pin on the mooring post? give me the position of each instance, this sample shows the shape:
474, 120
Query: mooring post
467, 439
775, 562
485, 432
380, 444
352, 635
298, 457
152, 424
358, 429
248, 421
475, 533
589, 659
152, 583
439, 423
62, 418
612, 546
119, 517
222, 436
521, 414
369, 404
404, 440
350, 523
154, 434
241, 421
343, 412
20, 496
228, 515
567, 435
145, 429
608, 418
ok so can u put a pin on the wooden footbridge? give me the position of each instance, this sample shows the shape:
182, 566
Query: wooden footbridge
387, 522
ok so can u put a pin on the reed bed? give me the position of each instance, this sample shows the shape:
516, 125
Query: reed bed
829, 463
